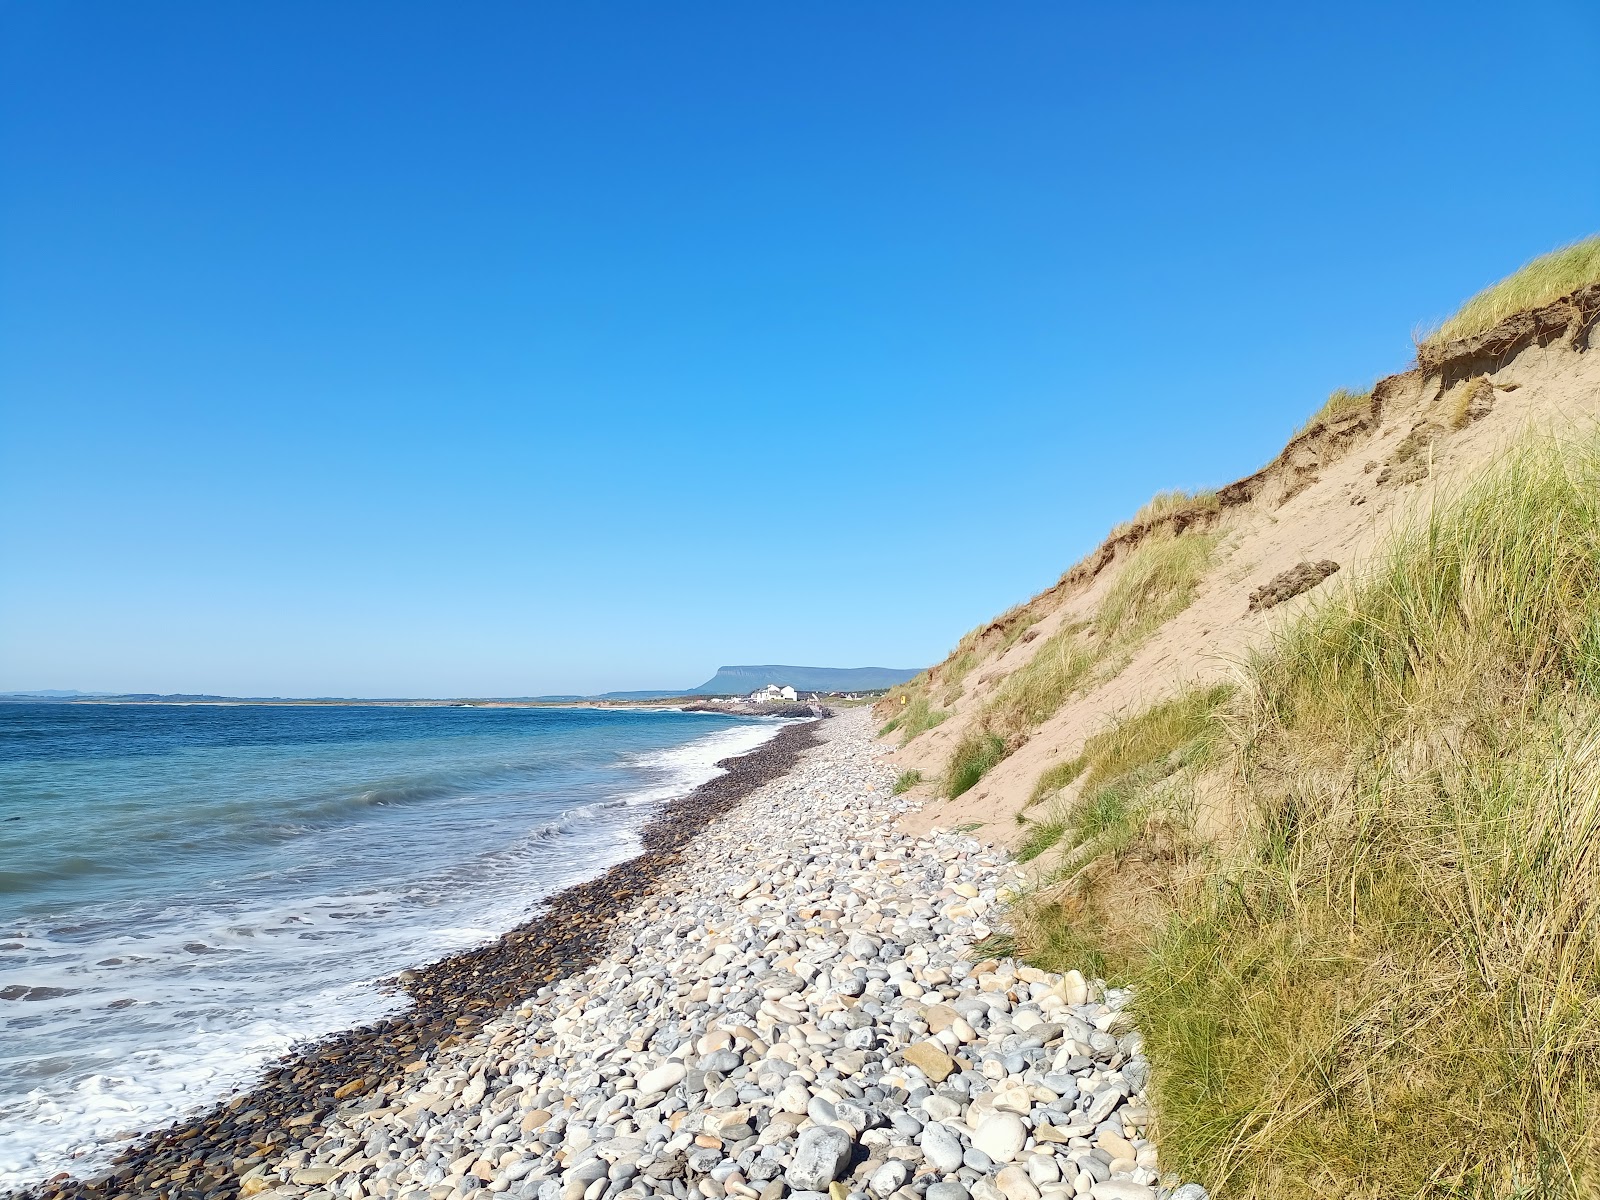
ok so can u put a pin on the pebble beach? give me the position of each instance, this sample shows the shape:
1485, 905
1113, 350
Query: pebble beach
786, 996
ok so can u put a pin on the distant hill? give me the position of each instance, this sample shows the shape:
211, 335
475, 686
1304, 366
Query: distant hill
49, 694
735, 681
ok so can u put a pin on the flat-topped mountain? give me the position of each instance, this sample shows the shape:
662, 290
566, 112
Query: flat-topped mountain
732, 681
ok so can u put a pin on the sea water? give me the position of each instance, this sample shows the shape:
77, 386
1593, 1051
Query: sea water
188, 891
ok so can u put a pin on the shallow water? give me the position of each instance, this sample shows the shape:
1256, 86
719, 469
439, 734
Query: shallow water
185, 892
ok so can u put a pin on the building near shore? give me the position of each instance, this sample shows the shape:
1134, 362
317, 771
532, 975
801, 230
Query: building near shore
773, 694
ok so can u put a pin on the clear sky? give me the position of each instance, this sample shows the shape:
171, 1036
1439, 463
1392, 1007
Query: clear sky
502, 349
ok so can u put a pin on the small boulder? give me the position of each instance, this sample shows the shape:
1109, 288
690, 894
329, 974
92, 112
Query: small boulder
821, 1153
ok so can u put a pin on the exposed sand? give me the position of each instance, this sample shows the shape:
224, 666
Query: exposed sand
1340, 512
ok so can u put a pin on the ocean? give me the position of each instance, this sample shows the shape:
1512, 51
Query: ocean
188, 891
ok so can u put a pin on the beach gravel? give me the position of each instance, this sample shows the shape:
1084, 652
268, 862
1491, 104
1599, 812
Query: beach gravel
796, 1003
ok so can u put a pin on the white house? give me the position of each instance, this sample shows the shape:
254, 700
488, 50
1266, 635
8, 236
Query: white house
772, 693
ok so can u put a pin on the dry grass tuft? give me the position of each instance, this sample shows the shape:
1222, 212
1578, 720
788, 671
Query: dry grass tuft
1165, 504
1543, 281
1473, 401
1156, 584
1341, 402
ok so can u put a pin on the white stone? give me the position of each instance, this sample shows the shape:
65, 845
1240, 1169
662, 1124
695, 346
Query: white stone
1001, 1137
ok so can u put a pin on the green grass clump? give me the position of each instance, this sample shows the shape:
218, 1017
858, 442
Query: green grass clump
1543, 281
1388, 983
1121, 769
954, 671
906, 781
1341, 402
916, 715
1156, 584
1041, 836
971, 760
1180, 729
1035, 691
1053, 779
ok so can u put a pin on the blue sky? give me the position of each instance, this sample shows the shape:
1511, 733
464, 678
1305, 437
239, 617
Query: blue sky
499, 349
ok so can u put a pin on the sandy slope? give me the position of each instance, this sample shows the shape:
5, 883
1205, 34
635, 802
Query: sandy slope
1321, 499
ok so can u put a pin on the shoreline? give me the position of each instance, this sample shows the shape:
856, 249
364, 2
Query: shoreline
203, 1155
813, 1008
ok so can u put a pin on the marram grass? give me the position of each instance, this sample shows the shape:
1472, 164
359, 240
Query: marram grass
1543, 281
1157, 581
1385, 981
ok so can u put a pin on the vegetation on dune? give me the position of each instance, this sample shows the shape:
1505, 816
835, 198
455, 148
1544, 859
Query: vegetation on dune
916, 715
1341, 402
1134, 742
1123, 772
1471, 401
971, 760
1157, 581
1164, 504
987, 641
905, 781
954, 670
1543, 281
1380, 976
1035, 691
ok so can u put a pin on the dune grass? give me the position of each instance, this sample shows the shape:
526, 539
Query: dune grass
1164, 504
971, 760
954, 671
1341, 402
1186, 721
1389, 984
1543, 281
905, 781
989, 640
1035, 691
1156, 583
916, 716
1119, 769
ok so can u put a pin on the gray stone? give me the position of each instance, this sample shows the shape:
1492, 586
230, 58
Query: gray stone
1102, 1105
820, 1154
589, 1170
940, 1147
948, 1191
668, 1074
724, 1060
889, 1177
906, 1123
820, 1110
861, 1039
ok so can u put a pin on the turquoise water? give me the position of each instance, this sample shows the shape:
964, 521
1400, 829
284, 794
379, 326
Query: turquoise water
185, 892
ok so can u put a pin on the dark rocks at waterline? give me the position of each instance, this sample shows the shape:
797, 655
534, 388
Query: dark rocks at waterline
203, 1157
754, 708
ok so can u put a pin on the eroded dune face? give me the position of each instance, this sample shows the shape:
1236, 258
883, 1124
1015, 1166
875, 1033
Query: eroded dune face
1326, 501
